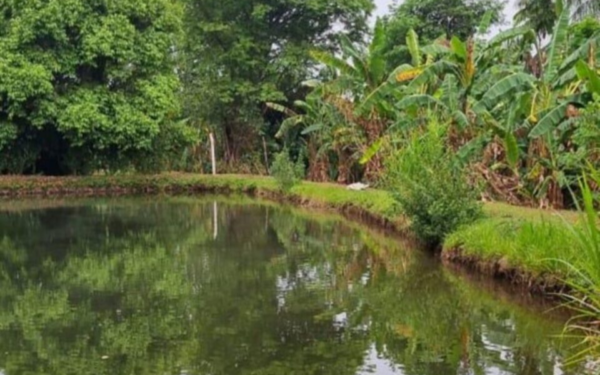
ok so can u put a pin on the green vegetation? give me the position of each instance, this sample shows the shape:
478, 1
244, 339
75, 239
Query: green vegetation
287, 173
538, 14
520, 125
564, 247
139, 86
428, 105
530, 247
431, 19
129, 87
431, 186
240, 55
88, 86
586, 274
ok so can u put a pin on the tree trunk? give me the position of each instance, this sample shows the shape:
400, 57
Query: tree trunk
344, 169
318, 164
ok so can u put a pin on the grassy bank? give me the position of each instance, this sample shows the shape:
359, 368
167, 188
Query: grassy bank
511, 241
372, 205
533, 252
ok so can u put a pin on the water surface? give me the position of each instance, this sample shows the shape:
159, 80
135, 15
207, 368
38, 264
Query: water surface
227, 286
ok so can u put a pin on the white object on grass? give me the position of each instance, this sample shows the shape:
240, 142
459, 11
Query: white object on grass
357, 187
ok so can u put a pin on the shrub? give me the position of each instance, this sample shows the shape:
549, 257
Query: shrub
287, 173
430, 185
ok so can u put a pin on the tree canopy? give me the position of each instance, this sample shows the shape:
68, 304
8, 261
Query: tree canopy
432, 19
88, 85
242, 54
541, 15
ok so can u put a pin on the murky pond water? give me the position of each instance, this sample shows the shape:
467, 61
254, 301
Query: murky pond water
226, 286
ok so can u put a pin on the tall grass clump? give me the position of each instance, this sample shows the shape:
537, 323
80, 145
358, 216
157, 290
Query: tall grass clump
585, 275
523, 244
429, 183
287, 173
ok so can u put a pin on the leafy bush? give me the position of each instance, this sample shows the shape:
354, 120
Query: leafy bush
73, 99
287, 173
587, 132
428, 182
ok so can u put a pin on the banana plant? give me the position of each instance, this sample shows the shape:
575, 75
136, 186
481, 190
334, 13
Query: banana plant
481, 72
589, 75
363, 90
472, 81
473, 65
548, 96
546, 111
361, 73
421, 58
325, 129
529, 112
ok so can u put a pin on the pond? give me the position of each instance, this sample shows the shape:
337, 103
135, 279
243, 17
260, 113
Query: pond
226, 286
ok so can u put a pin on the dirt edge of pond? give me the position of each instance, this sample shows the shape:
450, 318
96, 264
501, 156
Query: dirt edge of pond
547, 285
175, 183
349, 211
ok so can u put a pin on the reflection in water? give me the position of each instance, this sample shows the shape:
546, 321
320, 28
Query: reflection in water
188, 286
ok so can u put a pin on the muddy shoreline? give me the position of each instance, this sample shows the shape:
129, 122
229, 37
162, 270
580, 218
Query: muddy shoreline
546, 285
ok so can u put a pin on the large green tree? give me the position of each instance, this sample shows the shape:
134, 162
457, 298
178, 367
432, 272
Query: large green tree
241, 54
432, 19
88, 84
541, 15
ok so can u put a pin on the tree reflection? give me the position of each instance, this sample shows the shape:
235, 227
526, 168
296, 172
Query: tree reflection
145, 287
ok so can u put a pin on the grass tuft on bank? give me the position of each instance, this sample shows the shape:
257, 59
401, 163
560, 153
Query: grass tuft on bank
534, 246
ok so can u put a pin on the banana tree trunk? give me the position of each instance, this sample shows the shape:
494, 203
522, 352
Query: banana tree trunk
318, 164
344, 168
373, 127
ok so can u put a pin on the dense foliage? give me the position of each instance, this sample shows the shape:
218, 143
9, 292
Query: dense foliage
432, 19
88, 85
542, 14
286, 172
516, 108
240, 55
431, 185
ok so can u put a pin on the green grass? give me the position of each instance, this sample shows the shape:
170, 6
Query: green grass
530, 240
377, 203
533, 246
504, 210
